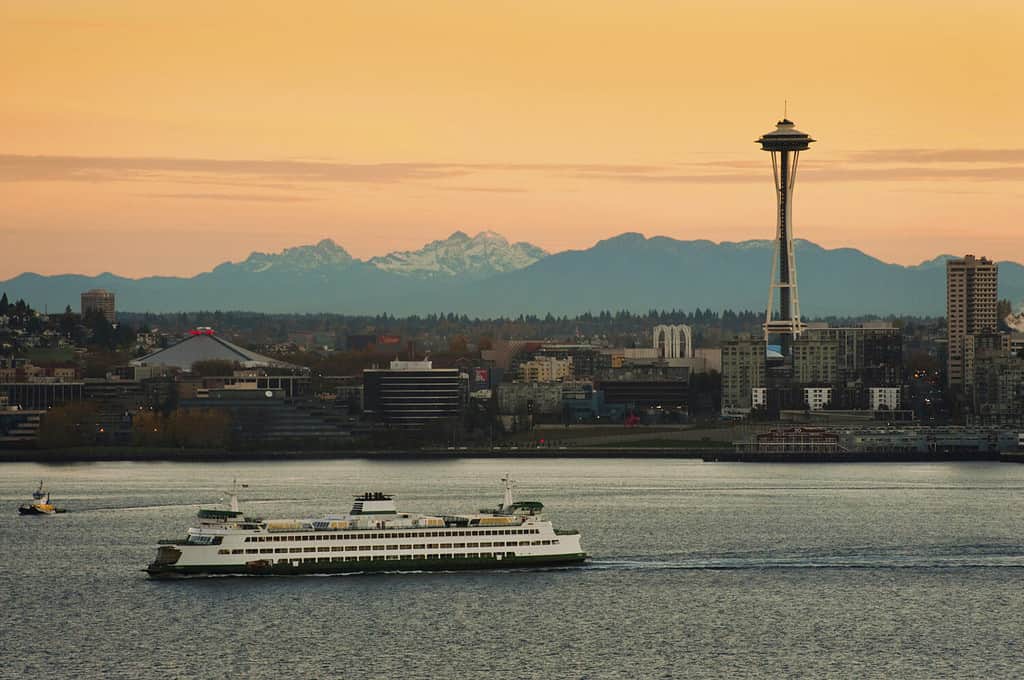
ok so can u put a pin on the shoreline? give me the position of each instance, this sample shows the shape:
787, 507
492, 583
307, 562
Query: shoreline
127, 454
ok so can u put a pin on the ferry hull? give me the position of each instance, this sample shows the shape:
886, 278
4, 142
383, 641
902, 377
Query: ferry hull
364, 566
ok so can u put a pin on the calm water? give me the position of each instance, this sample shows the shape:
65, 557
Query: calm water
699, 570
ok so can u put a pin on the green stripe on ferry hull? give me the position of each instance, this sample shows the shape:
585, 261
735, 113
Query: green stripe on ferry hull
369, 566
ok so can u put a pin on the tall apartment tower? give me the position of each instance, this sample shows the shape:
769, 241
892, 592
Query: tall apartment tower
99, 299
972, 291
784, 143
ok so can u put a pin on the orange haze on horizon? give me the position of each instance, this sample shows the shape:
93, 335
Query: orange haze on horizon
146, 138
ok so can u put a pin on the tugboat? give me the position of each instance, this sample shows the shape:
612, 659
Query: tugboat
40, 504
373, 536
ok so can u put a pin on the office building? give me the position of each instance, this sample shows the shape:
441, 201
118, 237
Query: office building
413, 393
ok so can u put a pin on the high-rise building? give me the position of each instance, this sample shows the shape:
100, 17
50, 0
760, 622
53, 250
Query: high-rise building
971, 297
785, 144
743, 370
101, 300
997, 388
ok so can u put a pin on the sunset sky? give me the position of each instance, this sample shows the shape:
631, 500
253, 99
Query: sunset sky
166, 137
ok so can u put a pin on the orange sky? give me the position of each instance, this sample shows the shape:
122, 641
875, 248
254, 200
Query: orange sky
163, 138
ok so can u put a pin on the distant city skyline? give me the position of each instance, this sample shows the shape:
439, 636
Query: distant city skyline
163, 140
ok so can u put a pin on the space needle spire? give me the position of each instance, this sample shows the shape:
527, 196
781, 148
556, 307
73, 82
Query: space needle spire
785, 143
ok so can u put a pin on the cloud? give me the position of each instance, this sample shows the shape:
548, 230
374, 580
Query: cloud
1012, 156
494, 190
296, 175
18, 168
267, 198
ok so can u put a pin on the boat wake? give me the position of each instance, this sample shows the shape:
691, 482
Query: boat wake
864, 561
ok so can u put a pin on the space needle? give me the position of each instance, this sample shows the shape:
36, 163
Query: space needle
785, 143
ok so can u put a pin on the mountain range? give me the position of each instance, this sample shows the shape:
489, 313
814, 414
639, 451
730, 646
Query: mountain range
487, 276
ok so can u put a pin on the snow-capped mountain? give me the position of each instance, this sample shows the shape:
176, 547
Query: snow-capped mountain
326, 253
460, 255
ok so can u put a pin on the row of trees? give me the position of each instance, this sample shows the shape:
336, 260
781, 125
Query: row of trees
188, 428
81, 424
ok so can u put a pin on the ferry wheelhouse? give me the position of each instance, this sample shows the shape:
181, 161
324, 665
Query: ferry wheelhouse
373, 536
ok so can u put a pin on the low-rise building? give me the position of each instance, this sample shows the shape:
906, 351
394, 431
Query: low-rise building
543, 369
413, 393
817, 398
888, 398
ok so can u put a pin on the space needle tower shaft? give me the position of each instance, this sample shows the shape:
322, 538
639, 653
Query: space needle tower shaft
785, 144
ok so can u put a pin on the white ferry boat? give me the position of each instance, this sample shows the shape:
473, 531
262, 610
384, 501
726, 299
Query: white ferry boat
373, 536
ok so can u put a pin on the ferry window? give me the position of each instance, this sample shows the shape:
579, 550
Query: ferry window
310, 548
405, 547
418, 547
445, 545
498, 544
524, 543
510, 554
431, 546
485, 554
555, 542
280, 550
536, 543
349, 548
223, 551
419, 557
294, 550
472, 545
459, 545
472, 555
485, 545
248, 538
545, 542
378, 547
309, 560
338, 548
252, 551
236, 551
323, 559
266, 550
392, 547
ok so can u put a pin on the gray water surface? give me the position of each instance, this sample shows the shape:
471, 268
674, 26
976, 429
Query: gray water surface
698, 570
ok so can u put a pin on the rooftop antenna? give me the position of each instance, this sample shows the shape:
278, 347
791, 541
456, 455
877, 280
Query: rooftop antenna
785, 108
